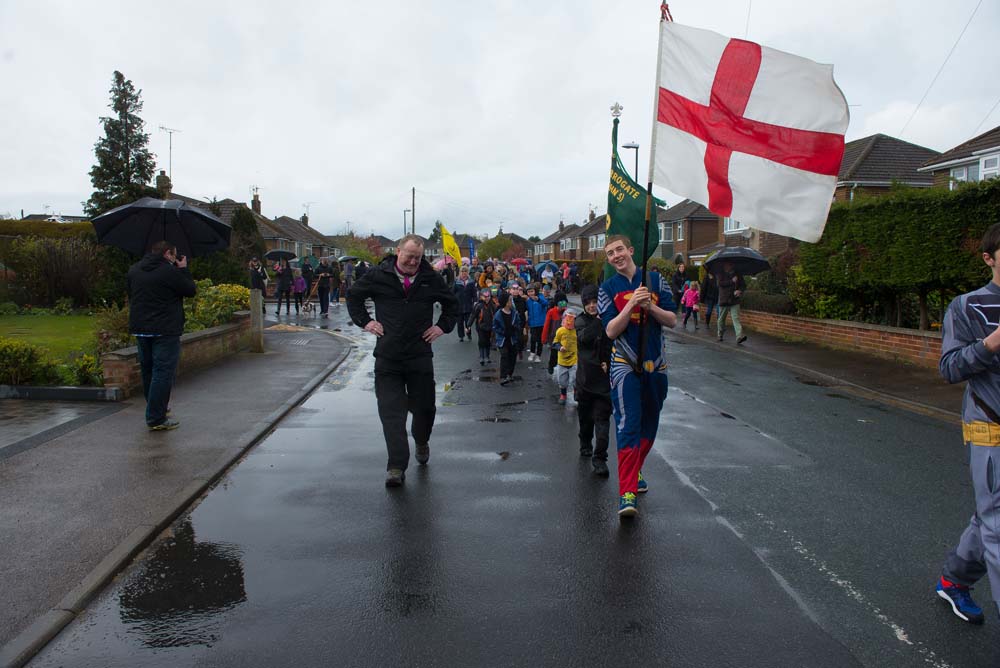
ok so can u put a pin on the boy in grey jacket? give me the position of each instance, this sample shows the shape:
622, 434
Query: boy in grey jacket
969, 345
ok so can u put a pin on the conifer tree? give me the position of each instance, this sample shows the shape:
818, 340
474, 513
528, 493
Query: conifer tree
124, 167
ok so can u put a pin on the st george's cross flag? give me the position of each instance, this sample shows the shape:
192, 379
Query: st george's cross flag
752, 133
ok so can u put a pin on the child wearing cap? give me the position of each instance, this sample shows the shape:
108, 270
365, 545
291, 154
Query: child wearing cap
482, 319
565, 344
507, 326
552, 319
593, 385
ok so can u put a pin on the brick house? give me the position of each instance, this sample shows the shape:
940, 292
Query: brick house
870, 166
975, 160
557, 245
690, 232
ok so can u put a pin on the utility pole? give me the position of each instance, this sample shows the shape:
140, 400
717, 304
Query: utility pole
170, 161
413, 212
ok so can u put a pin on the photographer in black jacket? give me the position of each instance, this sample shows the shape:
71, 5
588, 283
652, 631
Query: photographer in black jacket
404, 288
157, 285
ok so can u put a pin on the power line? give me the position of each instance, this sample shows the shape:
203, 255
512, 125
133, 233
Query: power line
988, 114
940, 69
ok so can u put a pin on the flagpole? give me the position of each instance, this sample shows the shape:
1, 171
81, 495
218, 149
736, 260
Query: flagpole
643, 281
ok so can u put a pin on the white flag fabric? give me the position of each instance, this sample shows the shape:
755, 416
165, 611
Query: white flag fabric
750, 132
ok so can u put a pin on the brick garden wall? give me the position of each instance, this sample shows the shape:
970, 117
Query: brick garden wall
910, 345
198, 350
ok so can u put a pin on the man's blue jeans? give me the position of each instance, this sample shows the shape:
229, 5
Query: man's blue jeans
158, 357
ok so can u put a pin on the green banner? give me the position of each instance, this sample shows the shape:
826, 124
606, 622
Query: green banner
627, 208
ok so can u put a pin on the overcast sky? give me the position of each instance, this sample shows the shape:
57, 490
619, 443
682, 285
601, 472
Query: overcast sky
496, 112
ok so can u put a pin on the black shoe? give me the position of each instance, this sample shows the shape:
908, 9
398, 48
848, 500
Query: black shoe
720, 337
601, 469
586, 451
740, 340
394, 477
423, 453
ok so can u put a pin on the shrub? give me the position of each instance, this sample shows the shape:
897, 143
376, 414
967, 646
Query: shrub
64, 306
214, 305
8, 308
86, 370
112, 328
22, 363
756, 300
48, 269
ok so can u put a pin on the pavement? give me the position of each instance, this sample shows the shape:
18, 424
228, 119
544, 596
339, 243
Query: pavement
899, 383
72, 522
85, 486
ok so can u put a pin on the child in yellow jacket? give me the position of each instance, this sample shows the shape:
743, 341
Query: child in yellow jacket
565, 343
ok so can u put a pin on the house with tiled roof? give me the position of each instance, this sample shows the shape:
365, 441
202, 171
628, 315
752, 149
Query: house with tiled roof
590, 244
977, 159
873, 164
870, 166
56, 218
689, 232
556, 245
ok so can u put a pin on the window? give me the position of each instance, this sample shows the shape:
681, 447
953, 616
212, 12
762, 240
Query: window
731, 226
600, 241
680, 231
666, 232
989, 167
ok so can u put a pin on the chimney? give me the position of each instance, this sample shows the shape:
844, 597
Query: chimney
561, 226
305, 220
163, 185
592, 216
255, 203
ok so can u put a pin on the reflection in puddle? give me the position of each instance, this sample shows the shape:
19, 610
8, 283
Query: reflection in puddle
175, 597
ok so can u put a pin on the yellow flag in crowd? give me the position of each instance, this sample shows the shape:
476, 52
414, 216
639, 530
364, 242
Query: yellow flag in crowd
450, 247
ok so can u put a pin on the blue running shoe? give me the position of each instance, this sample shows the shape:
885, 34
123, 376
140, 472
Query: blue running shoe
643, 487
961, 601
626, 505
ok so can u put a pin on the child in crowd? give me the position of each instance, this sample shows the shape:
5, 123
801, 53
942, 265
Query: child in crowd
536, 321
552, 319
482, 319
507, 325
564, 343
298, 288
593, 385
690, 303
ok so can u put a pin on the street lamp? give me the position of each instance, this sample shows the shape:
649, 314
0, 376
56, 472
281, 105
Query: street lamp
405, 211
634, 146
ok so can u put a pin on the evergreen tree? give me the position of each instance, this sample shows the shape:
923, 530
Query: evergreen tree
246, 241
124, 167
435, 237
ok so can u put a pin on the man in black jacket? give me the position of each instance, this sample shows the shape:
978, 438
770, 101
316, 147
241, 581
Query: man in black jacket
593, 386
404, 288
157, 285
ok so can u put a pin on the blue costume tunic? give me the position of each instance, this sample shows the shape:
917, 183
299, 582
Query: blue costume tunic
636, 398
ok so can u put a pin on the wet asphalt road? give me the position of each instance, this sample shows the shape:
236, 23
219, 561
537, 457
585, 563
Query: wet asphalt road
788, 524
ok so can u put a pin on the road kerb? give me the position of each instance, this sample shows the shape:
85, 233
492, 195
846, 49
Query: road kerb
23, 647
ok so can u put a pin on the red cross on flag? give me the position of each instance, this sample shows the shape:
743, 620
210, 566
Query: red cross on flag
750, 132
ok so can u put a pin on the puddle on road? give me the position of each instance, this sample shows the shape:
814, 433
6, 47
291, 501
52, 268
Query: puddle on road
506, 503
812, 381
521, 477
477, 456
495, 418
175, 598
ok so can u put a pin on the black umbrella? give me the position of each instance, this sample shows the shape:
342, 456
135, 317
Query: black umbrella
279, 255
746, 261
137, 226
